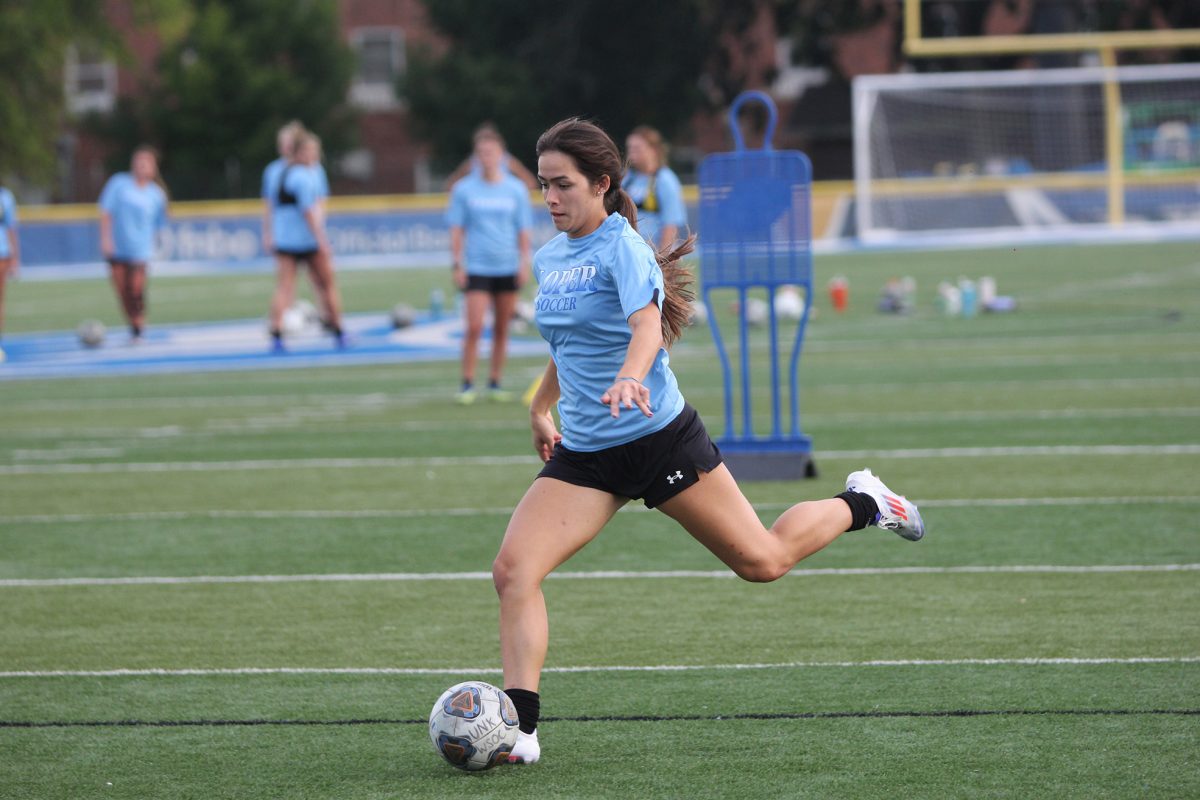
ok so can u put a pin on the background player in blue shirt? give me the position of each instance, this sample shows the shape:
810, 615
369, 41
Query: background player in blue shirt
609, 306
285, 145
298, 233
655, 189
133, 209
490, 226
470, 165
10, 247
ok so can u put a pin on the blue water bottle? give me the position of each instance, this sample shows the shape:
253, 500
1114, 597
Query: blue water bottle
970, 297
437, 301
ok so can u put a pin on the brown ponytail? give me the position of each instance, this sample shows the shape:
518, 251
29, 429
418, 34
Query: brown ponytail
677, 288
596, 155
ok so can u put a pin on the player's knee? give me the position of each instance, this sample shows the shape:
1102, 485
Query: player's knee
505, 576
515, 577
762, 570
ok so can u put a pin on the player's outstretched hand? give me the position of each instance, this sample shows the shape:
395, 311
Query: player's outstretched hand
545, 435
628, 393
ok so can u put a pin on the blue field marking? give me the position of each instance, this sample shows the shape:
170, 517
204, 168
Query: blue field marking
240, 345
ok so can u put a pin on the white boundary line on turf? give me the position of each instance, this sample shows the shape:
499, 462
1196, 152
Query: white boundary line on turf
511, 460
406, 513
404, 577
938, 662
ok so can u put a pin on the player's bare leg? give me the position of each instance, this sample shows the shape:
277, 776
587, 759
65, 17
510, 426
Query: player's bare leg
284, 296
553, 520
716, 513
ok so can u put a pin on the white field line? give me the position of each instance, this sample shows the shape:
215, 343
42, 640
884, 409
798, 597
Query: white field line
937, 662
513, 460
634, 508
405, 577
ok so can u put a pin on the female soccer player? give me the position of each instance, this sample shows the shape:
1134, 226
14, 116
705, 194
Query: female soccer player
608, 305
470, 164
490, 222
285, 145
133, 208
298, 233
10, 247
655, 189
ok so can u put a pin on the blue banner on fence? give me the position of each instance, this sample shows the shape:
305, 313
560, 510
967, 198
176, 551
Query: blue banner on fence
200, 244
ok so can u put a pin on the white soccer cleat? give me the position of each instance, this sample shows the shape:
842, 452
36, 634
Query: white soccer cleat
526, 750
896, 512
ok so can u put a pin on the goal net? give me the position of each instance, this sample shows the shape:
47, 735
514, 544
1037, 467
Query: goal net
978, 157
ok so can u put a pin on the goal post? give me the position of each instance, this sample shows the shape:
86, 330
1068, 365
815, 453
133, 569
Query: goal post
1034, 153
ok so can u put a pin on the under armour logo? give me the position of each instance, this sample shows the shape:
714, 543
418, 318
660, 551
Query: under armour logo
678, 476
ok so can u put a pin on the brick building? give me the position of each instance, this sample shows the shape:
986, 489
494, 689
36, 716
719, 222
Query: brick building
387, 160
813, 103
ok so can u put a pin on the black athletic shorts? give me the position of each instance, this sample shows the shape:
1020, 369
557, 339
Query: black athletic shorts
654, 468
301, 256
492, 284
125, 262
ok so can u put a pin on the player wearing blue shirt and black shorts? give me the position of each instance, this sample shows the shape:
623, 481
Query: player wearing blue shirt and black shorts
133, 209
654, 188
609, 306
296, 197
490, 223
10, 247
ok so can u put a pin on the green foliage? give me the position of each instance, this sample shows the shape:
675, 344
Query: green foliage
33, 46
242, 69
525, 65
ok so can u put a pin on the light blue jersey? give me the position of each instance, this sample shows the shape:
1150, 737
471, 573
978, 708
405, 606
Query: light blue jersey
8, 220
659, 201
492, 216
271, 178
137, 212
291, 190
587, 290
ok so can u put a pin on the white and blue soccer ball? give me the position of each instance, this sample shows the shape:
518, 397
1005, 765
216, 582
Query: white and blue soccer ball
473, 725
91, 333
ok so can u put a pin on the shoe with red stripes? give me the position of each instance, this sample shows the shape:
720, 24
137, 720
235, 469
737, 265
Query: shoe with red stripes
896, 513
526, 750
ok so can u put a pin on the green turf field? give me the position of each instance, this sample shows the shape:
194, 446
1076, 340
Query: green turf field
1043, 641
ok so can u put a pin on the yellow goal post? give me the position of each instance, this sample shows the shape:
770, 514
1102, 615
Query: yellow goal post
1105, 44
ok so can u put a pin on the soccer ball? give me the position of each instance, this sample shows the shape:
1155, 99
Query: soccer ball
788, 303
473, 725
91, 333
293, 322
756, 311
403, 316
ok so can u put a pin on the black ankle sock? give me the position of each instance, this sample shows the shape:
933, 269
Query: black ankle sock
277, 334
863, 509
529, 707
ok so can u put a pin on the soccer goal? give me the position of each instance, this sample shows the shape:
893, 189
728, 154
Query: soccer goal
979, 157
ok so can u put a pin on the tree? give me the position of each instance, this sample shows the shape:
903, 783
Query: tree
241, 70
525, 64
34, 38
